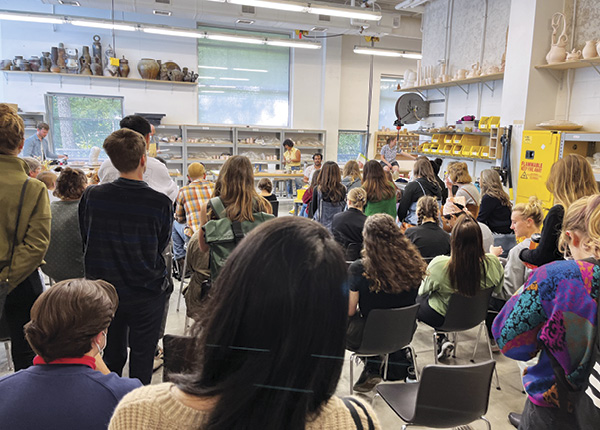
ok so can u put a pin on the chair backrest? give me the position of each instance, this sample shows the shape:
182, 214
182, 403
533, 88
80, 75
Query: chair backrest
450, 396
388, 330
464, 312
352, 251
178, 356
275, 206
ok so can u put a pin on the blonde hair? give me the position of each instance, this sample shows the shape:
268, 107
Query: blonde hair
196, 170
352, 169
491, 185
583, 216
459, 173
12, 129
48, 178
532, 209
358, 197
571, 178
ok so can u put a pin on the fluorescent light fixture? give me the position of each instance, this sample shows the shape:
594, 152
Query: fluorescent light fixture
206, 77
162, 12
293, 44
232, 38
102, 24
278, 5
344, 12
250, 70
369, 50
213, 67
234, 79
217, 1
178, 33
388, 80
213, 92
69, 2
221, 86
44, 19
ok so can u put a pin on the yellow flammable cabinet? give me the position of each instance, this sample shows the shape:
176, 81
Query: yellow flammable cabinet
540, 149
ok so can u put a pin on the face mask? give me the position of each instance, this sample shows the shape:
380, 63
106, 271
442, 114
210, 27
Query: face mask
101, 350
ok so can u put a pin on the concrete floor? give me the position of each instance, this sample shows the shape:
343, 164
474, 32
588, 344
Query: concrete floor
509, 398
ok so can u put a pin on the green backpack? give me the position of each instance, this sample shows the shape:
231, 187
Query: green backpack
223, 235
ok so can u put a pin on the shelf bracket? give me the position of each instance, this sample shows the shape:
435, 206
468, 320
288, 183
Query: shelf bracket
6, 78
441, 92
118, 85
421, 94
30, 79
60, 81
90, 82
554, 75
492, 87
595, 68
461, 87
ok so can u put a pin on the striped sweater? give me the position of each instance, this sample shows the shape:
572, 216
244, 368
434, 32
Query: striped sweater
557, 308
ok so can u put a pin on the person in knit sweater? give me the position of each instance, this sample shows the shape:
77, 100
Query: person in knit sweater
270, 351
555, 313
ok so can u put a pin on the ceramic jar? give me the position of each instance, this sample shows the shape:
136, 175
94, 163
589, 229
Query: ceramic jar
54, 68
96, 67
589, 50
35, 63
45, 62
574, 55
124, 67
5, 64
148, 68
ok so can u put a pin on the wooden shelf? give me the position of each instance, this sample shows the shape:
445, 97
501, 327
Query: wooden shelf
458, 157
95, 77
576, 64
456, 83
472, 133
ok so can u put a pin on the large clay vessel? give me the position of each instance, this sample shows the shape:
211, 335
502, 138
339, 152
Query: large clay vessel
148, 68
589, 50
35, 63
558, 51
124, 67
45, 62
55, 68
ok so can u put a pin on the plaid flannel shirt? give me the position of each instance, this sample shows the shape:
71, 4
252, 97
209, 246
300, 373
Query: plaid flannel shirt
189, 201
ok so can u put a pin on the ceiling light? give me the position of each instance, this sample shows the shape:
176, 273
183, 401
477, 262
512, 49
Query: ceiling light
102, 24
214, 92
222, 86
369, 50
69, 2
250, 70
245, 21
234, 79
161, 12
213, 67
30, 18
232, 38
278, 5
293, 44
206, 77
169, 32
344, 12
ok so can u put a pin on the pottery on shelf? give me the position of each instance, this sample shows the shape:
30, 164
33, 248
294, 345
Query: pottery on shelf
574, 55
163, 72
62, 58
589, 50
5, 64
598, 48
110, 69
148, 68
558, 51
171, 65
124, 67
35, 63
72, 61
24, 66
96, 67
460, 74
45, 62
97, 48
54, 68
85, 54
175, 75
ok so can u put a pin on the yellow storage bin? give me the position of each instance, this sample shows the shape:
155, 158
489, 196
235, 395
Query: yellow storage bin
485, 152
447, 149
494, 122
475, 151
426, 147
437, 138
469, 139
457, 150
466, 151
448, 138
484, 123
433, 149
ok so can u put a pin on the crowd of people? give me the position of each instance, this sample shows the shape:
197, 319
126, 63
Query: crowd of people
275, 300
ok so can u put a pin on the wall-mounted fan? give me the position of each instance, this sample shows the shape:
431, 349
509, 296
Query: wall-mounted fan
411, 108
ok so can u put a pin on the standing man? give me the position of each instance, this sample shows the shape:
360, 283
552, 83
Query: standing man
156, 174
125, 227
37, 145
187, 216
389, 152
310, 170
291, 161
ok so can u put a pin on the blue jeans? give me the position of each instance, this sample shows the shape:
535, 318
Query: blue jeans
292, 182
179, 240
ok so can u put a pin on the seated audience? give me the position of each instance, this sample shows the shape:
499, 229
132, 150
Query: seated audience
265, 186
555, 315
381, 191
436, 165
351, 175
422, 184
308, 195
49, 179
453, 209
329, 197
69, 387
495, 203
347, 226
35, 167
458, 176
387, 276
466, 271
261, 357
430, 239
310, 171
64, 259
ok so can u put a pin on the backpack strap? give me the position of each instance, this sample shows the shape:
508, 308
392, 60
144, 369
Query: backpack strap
14, 242
360, 405
354, 413
219, 208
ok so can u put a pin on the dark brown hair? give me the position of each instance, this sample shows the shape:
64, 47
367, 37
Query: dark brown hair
467, 258
391, 261
71, 184
330, 182
12, 129
423, 169
125, 148
375, 183
65, 318
43, 126
265, 184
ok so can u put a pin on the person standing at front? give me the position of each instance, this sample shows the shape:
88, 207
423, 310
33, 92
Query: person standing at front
21, 251
125, 227
37, 145
291, 160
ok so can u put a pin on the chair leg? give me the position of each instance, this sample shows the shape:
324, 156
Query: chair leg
476, 343
487, 338
11, 366
352, 373
182, 274
373, 399
414, 357
435, 347
455, 341
489, 426
385, 366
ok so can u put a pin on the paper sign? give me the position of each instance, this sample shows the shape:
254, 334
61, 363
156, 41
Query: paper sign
114, 61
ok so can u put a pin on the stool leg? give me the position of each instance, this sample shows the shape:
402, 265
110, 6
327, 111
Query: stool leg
351, 373
435, 347
182, 274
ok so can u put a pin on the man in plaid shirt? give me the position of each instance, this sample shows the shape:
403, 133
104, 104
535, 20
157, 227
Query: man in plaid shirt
189, 201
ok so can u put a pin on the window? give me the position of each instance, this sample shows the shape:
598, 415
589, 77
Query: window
387, 100
243, 84
350, 144
79, 123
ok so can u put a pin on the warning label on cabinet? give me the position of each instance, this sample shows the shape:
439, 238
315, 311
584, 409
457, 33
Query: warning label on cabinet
531, 170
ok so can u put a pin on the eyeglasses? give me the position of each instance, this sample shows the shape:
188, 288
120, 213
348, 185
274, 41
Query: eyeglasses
449, 216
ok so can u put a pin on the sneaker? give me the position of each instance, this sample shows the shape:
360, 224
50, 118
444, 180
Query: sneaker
494, 345
411, 377
366, 382
159, 359
445, 347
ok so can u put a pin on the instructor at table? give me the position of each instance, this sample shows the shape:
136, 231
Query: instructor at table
389, 152
37, 145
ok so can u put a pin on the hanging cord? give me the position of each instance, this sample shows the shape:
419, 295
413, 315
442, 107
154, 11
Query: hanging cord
370, 102
112, 14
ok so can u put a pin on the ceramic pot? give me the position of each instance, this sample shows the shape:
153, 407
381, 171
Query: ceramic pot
148, 68
35, 63
72, 61
461, 74
598, 48
97, 47
45, 62
54, 68
86, 54
574, 55
589, 50
557, 54
171, 65
96, 67
24, 66
124, 68
175, 75
5, 64
62, 58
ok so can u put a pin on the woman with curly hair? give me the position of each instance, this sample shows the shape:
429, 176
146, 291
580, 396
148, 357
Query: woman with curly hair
387, 276
381, 192
329, 197
495, 206
64, 259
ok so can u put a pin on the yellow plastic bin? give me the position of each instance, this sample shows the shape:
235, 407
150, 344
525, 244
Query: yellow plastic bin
448, 138
485, 152
475, 151
433, 149
457, 150
484, 124
466, 151
447, 149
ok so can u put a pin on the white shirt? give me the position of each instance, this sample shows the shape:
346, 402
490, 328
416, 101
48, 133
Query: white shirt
487, 236
156, 176
309, 172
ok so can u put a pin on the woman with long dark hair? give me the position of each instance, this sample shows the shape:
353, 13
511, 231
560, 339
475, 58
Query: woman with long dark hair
329, 197
387, 276
270, 352
466, 271
381, 192
423, 184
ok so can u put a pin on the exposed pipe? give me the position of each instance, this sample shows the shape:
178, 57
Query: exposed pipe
449, 17
370, 102
570, 75
481, 53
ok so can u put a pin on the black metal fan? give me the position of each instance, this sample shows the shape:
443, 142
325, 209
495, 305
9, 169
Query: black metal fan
411, 108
